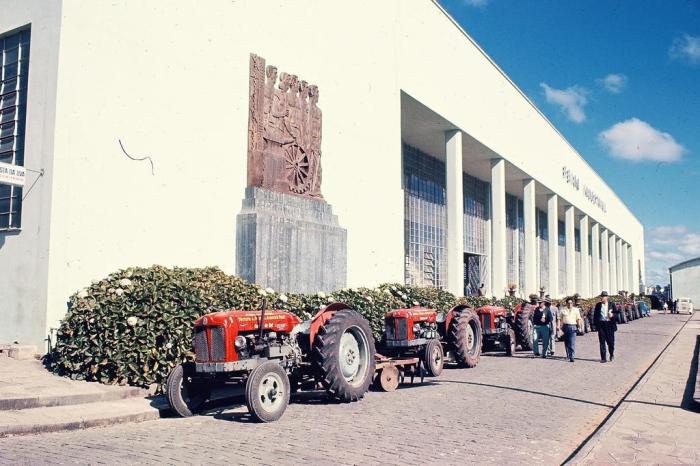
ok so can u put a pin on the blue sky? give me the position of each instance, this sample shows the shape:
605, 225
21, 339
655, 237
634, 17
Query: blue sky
621, 81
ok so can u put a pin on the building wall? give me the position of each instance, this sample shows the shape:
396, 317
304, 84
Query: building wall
170, 81
24, 253
685, 279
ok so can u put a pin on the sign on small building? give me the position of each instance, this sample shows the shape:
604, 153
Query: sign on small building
12, 174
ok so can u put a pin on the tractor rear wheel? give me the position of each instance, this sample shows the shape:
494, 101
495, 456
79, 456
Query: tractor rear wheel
186, 396
343, 355
267, 392
465, 338
433, 358
524, 329
510, 343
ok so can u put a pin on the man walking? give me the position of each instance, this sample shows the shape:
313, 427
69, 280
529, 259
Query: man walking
554, 325
606, 325
569, 324
541, 319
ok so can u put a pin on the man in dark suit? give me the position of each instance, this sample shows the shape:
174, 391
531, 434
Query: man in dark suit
604, 317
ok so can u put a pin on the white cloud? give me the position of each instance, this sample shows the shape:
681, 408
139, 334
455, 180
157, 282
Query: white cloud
613, 83
667, 246
570, 101
637, 140
476, 3
686, 48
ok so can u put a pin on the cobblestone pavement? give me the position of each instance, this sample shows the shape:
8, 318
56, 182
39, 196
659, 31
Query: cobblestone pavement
507, 410
655, 423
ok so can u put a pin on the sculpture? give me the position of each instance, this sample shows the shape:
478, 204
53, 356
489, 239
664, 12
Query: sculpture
284, 132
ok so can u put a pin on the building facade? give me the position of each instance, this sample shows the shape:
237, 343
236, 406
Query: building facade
685, 280
440, 169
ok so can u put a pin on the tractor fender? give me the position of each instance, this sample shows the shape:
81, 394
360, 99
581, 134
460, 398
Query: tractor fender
322, 316
453, 312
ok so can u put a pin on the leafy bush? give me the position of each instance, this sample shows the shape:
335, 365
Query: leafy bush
136, 324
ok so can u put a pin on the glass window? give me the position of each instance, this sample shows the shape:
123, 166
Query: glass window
14, 65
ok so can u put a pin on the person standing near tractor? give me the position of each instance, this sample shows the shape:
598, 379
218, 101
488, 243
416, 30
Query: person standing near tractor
606, 325
554, 325
542, 320
569, 324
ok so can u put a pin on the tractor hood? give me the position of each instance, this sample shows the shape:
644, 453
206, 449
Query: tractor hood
276, 320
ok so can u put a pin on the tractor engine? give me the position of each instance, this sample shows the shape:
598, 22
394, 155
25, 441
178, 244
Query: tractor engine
233, 340
409, 327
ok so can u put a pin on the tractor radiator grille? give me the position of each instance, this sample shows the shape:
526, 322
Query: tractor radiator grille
218, 344
201, 350
486, 321
396, 329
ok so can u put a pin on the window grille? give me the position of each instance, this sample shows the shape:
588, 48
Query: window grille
14, 70
425, 224
562, 258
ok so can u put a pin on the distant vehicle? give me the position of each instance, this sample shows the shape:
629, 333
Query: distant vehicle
685, 306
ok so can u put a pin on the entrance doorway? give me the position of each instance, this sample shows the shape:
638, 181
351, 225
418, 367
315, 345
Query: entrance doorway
472, 274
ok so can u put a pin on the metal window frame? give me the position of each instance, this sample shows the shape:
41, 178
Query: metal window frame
23, 49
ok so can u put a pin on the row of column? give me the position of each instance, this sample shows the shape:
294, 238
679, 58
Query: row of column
608, 267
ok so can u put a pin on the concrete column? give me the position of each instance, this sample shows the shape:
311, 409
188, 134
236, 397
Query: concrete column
499, 258
455, 212
570, 235
553, 243
633, 284
530, 210
612, 246
605, 259
585, 290
596, 288
619, 264
625, 277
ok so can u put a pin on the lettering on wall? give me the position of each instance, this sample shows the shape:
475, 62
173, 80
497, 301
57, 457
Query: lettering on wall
571, 178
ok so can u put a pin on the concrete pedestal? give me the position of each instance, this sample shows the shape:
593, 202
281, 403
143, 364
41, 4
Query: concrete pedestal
290, 243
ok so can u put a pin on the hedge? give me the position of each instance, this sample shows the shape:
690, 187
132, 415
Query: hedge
135, 325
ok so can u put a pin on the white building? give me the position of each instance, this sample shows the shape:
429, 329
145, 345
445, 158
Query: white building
685, 280
437, 165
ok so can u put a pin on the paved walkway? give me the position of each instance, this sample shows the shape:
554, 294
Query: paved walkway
655, 423
507, 410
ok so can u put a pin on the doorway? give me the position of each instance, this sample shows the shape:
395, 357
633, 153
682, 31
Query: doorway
472, 274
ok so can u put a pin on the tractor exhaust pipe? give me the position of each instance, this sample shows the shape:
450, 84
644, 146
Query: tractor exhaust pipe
262, 319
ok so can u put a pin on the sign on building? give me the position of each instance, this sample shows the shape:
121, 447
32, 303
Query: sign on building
12, 174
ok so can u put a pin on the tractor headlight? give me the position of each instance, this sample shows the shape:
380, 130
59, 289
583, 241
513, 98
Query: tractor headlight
416, 328
239, 342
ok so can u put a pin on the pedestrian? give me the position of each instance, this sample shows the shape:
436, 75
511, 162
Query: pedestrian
606, 325
541, 319
554, 325
665, 307
569, 325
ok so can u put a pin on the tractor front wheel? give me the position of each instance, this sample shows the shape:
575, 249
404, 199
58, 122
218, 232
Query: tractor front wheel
465, 338
185, 395
267, 392
433, 358
524, 329
343, 354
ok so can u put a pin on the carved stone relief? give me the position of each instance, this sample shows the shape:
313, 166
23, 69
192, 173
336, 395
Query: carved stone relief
284, 132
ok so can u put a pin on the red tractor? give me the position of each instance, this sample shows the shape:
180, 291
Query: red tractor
273, 353
498, 328
429, 336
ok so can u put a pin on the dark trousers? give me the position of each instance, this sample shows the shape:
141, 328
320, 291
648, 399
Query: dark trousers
606, 335
570, 340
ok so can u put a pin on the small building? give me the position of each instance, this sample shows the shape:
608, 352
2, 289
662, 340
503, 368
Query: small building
439, 168
685, 280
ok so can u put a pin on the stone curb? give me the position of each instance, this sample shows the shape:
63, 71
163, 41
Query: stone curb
10, 431
83, 398
696, 394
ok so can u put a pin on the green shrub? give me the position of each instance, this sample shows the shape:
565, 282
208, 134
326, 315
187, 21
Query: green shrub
136, 324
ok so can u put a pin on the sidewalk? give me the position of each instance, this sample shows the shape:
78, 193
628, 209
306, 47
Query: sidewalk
33, 400
658, 422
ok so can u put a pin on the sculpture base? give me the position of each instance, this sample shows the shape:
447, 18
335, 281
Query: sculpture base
290, 243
